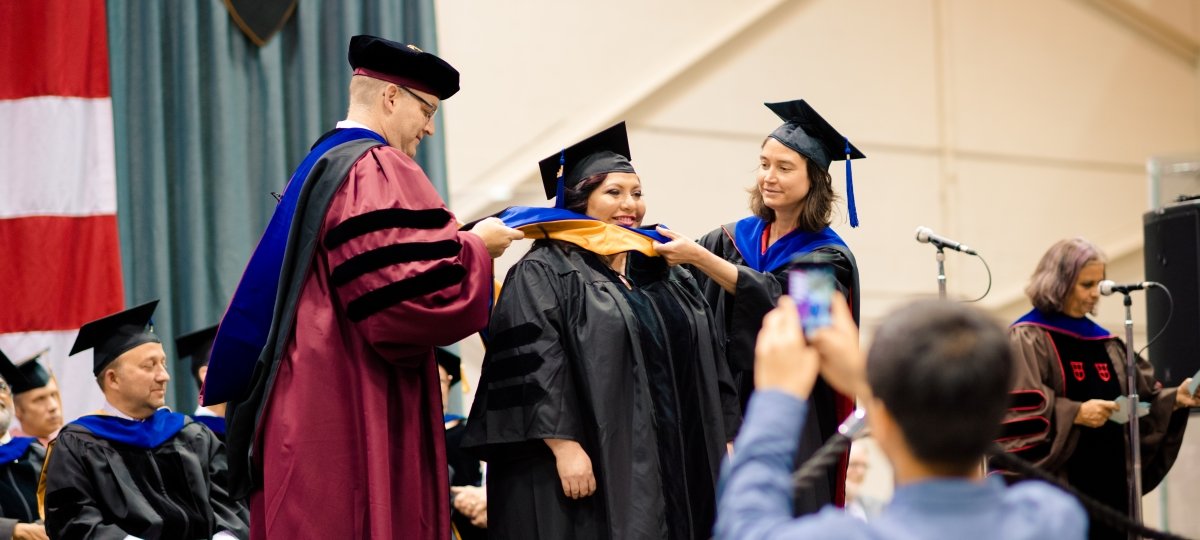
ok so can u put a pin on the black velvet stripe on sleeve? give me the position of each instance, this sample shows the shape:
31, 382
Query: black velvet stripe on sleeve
1034, 453
1026, 400
518, 395
513, 366
1024, 427
521, 334
394, 254
387, 218
406, 289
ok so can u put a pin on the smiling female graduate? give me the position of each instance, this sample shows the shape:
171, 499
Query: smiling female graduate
742, 266
605, 404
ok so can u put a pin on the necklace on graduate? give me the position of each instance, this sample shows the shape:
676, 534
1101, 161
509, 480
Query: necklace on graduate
624, 278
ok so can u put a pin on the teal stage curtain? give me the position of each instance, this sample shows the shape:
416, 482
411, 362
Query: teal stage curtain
208, 125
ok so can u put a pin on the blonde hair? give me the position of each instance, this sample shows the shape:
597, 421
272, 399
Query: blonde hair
364, 90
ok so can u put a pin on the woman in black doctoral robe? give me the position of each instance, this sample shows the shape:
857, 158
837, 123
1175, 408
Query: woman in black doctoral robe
1069, 373
605, 405
742, 266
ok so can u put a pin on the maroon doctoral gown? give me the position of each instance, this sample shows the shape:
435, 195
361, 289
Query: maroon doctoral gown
350, 440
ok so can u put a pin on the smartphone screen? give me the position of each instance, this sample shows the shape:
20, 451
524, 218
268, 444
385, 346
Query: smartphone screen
811, 287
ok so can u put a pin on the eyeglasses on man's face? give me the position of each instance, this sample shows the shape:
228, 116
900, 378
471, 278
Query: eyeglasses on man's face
428, 109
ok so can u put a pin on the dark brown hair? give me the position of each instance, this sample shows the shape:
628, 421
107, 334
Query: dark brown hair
575, 199
816, 208
942, 369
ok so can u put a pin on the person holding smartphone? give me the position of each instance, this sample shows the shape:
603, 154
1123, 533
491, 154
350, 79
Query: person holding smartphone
742, 266
934, 385
605, 404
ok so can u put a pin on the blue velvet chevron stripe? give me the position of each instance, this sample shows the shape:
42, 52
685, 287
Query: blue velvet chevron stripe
15, 449
148, 434
1081, 327
587, 232
522, 216
244, 328
214, 423
748, 234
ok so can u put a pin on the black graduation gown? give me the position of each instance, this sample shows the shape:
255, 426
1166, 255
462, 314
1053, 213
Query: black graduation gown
216, 424
742, 314
464, 471
18, 487
576, 355
100, 489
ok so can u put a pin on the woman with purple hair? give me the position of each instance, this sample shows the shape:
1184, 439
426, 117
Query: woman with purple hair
1069, 374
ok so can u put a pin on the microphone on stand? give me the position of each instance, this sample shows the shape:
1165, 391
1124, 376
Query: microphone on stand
925, 235
1107, 287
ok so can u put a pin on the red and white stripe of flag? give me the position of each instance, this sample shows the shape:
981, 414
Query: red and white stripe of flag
59, 255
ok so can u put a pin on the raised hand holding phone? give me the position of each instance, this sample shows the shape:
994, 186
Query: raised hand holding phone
811, 287
782, 360
843, 363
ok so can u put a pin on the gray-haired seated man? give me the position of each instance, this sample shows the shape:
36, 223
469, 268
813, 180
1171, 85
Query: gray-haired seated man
935, 385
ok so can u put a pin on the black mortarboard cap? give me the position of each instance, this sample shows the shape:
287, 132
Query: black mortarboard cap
807, 133
607, 151
29, 375
449, 362
115, 334
196, 345
405, 65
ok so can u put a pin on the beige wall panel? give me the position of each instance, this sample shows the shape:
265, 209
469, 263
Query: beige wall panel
896, 193
870, 72
1013, 212
1059, 79
532, 69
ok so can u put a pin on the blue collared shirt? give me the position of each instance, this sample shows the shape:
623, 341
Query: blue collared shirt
755, 495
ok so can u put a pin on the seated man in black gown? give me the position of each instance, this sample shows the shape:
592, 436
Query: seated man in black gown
20, 464
197, 346
135, 468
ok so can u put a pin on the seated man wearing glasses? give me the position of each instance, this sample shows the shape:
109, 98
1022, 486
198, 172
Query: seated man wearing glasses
21, 461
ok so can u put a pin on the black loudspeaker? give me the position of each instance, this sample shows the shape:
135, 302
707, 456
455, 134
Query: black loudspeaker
1172, 251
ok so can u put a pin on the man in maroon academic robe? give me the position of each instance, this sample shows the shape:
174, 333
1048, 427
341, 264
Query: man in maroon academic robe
342, 429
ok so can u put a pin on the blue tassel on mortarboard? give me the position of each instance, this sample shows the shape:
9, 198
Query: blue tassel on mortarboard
850, 189
559, 192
